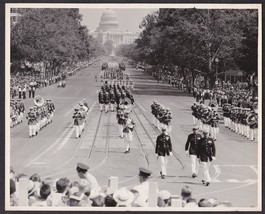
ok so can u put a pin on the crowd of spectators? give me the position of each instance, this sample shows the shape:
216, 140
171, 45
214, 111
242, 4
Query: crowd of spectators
86, 192
24, 84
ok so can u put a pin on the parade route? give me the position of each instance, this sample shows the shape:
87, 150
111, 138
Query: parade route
55, 151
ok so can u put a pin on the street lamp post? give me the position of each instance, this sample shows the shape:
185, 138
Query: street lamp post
216, 69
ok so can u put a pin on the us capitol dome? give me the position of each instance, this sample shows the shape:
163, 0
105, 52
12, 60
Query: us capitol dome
108, 30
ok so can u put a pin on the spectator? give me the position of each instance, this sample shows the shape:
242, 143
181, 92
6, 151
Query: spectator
185, 194
35, 178
109, 201
98, 201
123, 197
13, 198
56, 198
12, 172
41, 201
140, 201
191, 202
166, 196
75, 198
204, 203
160, 202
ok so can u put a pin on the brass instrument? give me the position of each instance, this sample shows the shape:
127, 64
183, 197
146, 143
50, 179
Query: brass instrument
252, 118
39, 101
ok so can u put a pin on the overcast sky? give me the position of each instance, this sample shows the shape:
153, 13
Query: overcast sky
129, 19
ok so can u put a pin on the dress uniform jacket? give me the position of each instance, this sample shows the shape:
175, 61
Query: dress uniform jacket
206, 149
192, 143
163, 145
31, 118
101, 98
106, 98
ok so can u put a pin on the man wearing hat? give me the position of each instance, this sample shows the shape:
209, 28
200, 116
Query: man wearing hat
206, 152
82, 172
143, 187
163, 150
191, 148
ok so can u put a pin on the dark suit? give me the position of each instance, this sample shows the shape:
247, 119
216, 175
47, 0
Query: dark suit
206, 149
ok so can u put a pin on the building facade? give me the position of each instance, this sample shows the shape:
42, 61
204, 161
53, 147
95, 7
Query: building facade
108, 30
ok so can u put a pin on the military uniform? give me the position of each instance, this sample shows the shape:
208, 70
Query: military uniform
77, 122
128, 131
206, 152
31, 122
163, 150
191, 148
101, 100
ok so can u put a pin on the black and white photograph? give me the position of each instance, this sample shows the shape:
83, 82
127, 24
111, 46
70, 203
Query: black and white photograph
133, 107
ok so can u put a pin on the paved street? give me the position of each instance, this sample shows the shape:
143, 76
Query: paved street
55, 151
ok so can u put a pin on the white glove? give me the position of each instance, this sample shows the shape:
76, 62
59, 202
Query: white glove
170, 153
187, 153
214, 158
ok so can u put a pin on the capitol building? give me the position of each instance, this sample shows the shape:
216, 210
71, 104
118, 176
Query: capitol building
108, 30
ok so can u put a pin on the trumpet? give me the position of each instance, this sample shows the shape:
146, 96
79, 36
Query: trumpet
39, 100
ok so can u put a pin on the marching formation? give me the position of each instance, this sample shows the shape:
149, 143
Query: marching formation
115, 95
17, 110
161, 116
40, 115
243, 121
79, 116
207, 118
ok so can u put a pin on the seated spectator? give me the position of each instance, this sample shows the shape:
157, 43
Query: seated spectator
74, 199
45, 191
98, 201
191, 202
185, 194
160, 202
13, 198
166, 196
213, 201
33, 192
56, 198
123, 197
109, 201
140, 201
35, 178
204, 203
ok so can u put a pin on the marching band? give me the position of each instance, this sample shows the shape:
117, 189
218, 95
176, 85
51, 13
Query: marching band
40, 115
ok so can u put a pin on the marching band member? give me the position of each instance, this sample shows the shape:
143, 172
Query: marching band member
214, 124
31, 122
77, 121
106, 101
128, 131
101, 100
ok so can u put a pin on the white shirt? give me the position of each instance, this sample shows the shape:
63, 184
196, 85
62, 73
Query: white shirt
92, 180
143, 189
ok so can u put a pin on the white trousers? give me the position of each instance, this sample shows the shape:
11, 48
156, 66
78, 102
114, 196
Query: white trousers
101, 106
163, 162
121, 130
206, 173
194, 164
194, 120
32, 130
128, 140
77, 131
112, 107
106, 107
